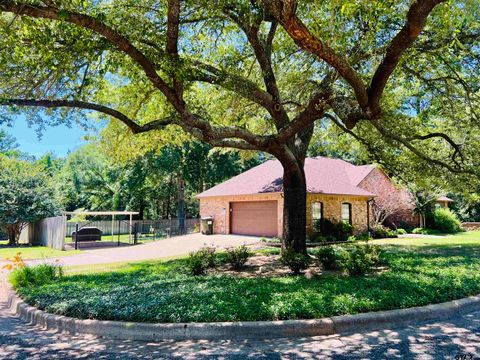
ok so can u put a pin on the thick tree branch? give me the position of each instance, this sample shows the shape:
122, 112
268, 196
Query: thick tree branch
88, 22
416, 19
284, 12
135, 127
173, 23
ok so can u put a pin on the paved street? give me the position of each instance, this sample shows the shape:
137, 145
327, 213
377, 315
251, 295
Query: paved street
441, 340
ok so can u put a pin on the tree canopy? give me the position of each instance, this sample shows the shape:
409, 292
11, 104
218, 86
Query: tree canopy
26, 196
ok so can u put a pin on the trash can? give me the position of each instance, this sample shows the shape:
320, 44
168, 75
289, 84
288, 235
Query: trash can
207, 226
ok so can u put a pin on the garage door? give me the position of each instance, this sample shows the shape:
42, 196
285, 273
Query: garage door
257, 218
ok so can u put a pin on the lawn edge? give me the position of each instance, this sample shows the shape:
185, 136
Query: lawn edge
239, 330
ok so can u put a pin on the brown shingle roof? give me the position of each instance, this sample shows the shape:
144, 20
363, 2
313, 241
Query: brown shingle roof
324, 175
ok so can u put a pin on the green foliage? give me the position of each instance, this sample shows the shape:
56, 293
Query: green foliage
159, 292
335, 231
295, 261
237, 257
401, 231
359, 259
148, 183
37, 275
446, 221
26, 196
383, 232
364, 236
426, 231
330, 257
198, 262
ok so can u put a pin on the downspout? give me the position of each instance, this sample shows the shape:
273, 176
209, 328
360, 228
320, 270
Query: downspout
368, 214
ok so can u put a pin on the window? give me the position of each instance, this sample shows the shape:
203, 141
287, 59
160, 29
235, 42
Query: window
347, 213
317, 215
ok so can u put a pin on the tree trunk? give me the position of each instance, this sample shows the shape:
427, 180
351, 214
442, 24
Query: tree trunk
294, 208
13, 234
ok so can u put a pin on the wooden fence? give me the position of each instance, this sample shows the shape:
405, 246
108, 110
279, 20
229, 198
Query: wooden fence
49, 232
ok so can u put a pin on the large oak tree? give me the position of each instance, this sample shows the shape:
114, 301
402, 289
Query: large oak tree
255, 75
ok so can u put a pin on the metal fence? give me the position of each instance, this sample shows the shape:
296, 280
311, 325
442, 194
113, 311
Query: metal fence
144, 228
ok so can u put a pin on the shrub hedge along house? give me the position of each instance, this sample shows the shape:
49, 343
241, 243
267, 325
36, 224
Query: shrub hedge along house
252, 203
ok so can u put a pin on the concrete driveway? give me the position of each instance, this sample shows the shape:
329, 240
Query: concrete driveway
176, 246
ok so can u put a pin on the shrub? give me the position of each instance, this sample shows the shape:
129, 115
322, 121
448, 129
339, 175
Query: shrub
365, 236
392, 234
401, 231
199, 261
446, 221
28, 276
295, 261
360, 259
237, 257
336, 231
426, 231
330, 257
380, 232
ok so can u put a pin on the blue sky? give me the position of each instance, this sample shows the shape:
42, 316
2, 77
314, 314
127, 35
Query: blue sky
58, 139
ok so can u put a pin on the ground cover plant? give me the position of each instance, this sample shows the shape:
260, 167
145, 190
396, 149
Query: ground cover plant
418, 272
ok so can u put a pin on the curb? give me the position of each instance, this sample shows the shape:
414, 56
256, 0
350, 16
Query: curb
240, 330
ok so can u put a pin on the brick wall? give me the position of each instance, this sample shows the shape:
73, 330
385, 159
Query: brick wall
378, 183
332, 209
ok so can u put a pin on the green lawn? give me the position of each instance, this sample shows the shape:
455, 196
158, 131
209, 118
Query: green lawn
420, 272
31, 252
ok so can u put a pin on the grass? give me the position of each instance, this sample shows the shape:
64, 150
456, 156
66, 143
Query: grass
421, 271
31, 252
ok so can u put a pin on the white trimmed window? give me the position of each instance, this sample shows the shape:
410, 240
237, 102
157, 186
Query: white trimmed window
317, 215
347, 213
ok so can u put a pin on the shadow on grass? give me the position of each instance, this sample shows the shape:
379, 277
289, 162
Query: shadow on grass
163, 292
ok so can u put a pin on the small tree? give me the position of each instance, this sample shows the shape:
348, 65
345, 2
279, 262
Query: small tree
26, 196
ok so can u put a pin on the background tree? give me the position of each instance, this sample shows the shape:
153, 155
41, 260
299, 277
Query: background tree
257, 75
26, 196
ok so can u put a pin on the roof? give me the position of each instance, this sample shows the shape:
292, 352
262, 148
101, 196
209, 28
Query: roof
324, 176
446, 199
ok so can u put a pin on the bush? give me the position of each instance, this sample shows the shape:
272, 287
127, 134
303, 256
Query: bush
401, 231
199, 261
446, 221
37, 275
237, 257
365, 236
330, 257
392, 234
360, 259
380, 232
426, 231
295, 261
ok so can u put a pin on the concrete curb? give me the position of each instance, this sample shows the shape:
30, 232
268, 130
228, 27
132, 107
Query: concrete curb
240, 330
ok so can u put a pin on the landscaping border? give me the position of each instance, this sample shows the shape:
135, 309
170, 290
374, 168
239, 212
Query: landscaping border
240, 330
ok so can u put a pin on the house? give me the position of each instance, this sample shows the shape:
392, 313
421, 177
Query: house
252, 203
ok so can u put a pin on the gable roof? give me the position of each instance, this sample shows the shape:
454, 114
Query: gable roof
324, 176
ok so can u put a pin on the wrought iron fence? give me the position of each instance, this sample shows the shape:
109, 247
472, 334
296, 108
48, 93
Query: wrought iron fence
155, 229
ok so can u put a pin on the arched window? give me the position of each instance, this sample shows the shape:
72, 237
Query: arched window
347, 213
317, 215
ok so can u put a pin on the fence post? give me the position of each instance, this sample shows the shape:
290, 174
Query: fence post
76, 236
135, 233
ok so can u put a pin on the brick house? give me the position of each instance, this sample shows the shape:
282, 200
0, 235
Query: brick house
252, 202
